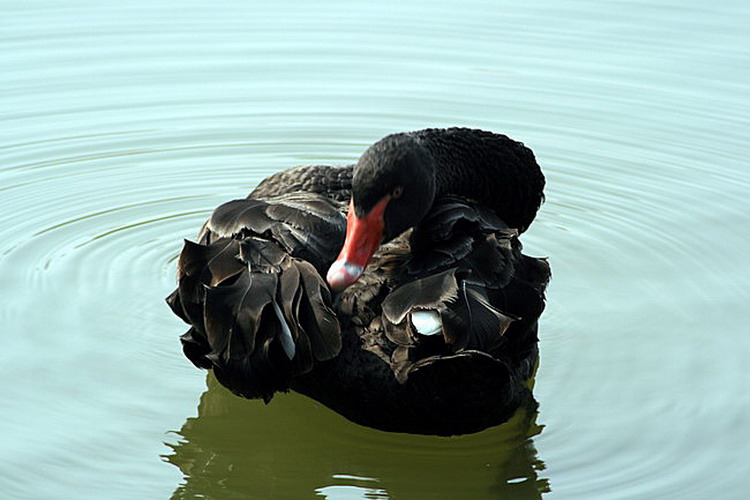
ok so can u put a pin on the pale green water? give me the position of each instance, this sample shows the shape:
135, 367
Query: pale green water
122, 124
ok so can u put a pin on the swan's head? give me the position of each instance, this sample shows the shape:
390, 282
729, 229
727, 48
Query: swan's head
392, 190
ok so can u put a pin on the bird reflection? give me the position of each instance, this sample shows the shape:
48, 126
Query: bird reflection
295, 448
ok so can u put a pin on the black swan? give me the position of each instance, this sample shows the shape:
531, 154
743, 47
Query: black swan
429, 324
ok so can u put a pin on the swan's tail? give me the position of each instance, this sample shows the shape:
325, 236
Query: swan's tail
258, 316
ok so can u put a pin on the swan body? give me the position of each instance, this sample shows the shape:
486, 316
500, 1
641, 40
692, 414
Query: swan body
393, 291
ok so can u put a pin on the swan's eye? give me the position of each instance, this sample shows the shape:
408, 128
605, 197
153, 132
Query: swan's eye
397, 192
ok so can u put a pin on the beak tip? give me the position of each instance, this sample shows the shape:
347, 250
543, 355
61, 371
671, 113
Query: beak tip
342, 274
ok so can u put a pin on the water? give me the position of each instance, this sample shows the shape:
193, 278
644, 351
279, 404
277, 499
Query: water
122, 124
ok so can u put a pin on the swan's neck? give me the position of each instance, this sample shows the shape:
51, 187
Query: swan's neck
487, 168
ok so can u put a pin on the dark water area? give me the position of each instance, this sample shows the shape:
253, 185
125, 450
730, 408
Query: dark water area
122, 125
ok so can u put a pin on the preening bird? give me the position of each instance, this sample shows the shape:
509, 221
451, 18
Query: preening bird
393, 291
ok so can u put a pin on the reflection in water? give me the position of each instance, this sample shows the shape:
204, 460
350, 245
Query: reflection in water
295, 448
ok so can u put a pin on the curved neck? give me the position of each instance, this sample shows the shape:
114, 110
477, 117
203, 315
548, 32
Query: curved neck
488, 168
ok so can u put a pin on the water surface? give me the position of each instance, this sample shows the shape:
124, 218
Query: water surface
123, 124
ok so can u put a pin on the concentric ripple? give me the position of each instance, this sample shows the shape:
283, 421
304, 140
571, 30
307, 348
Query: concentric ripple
125, 124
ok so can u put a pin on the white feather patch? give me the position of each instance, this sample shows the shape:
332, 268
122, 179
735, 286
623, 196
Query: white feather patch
427, 322
287, 342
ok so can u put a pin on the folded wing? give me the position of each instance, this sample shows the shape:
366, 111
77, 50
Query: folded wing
252, 291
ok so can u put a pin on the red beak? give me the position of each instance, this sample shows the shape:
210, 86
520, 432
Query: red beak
363, 236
